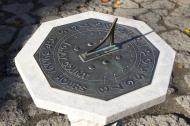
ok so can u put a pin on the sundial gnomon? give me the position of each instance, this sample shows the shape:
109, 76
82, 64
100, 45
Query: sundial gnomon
110, 70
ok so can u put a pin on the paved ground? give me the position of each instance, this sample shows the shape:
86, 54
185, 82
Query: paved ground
20, 18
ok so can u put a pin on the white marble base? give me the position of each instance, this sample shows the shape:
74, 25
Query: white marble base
80, 107
84, 123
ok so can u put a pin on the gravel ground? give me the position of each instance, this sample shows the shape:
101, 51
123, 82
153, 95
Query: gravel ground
20, 18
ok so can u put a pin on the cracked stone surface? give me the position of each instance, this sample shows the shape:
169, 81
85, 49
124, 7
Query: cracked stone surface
54, 121
65, 14
181, 11
184, 3
142, 1
160, 120
183, 59
33, 110
181, 41
178, 22
129, 4
23, 35
149, 17
184, 101
11, 114
12, 86
187, 79
18, 8
161, 12
129, 12
51, 2
24, 19
46, 11
72, 5
20, 18
161, 4
152, 19
7, 34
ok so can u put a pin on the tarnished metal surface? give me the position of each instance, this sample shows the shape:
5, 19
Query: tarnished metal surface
106, 77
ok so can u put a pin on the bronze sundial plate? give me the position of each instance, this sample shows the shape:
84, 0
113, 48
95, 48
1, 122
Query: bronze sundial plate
127, 69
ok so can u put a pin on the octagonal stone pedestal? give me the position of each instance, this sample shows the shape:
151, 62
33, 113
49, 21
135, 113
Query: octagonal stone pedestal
85, 110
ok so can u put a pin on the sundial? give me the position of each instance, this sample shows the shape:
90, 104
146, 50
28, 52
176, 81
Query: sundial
94, 60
